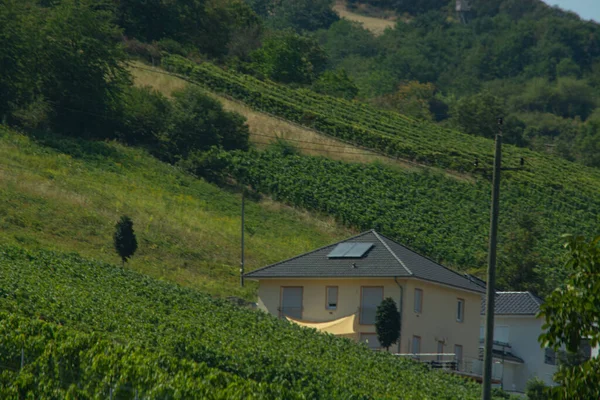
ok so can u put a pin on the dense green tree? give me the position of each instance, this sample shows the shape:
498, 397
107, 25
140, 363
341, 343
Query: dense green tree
146, 116
571, 314
336, 83
290, 58
197, 123
519, 260
387, 323
478, 114
302, 15
124, 239
84, 72
19, 44
345, 38
209, 25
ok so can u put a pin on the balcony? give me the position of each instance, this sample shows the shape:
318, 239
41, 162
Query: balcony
468, 367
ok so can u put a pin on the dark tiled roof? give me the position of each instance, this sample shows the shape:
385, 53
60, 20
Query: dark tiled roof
386, 259
514, 303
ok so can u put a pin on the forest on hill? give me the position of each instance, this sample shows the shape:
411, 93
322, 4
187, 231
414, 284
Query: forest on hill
537, 66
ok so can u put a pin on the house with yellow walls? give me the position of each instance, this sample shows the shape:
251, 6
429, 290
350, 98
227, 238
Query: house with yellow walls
337, 289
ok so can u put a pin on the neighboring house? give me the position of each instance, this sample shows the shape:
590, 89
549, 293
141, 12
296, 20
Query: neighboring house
337, 289
517, 351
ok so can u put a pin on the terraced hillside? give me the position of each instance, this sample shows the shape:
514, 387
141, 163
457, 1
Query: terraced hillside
104, 327
560, 196
67, 194
389, 133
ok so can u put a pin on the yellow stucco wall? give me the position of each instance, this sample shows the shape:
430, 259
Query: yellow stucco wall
436, 322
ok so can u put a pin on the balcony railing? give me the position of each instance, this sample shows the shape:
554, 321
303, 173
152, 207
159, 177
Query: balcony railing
448, 362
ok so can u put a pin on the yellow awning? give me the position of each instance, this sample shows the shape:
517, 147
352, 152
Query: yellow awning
342, 326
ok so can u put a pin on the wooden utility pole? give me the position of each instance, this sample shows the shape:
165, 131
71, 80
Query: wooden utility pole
242, 259
491, 272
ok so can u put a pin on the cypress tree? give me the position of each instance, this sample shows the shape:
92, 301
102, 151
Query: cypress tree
387, 323
124, 238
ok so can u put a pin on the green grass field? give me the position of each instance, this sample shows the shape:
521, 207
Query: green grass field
67, 194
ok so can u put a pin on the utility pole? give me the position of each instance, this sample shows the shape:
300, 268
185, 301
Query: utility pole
491, 272
242, 260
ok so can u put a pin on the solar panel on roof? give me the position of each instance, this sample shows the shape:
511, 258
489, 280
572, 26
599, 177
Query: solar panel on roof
340, 250
350, 250
358, 250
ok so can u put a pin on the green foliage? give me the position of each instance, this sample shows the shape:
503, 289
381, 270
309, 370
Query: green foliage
387, 323
519, 261
124, 238
83, 72
159, 338
478, 114
301, 15
411, 98
571, 314
567, 97
345, 38
289, 58
337, 84
208, 25
536, 389
283, 147
64, 67
146, 116
198, 122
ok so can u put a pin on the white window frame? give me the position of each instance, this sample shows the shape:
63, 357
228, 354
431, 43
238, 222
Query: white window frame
460, 310
331, 305
419, 309
416, 339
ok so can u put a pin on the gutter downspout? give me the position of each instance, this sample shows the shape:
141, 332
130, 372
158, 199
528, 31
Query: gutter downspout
400, 309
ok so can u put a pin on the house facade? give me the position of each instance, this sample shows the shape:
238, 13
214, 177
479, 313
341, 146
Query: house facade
337, 289
517, 351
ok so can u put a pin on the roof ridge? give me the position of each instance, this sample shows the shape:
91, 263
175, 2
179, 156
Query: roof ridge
308, 252
392, 252
537, 300
433, 261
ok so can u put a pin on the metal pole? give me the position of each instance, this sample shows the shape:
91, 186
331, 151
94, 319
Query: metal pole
491, 272
242, 260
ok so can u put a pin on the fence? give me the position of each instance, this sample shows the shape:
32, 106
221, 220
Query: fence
449, 362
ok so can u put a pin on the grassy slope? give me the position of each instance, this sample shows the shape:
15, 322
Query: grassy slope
264, 128
157, 319
69, 197
375, 25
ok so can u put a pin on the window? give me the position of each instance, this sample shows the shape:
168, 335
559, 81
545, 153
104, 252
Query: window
332, 297
370, 339
440, 351
418, 301
460, 310
458, 355
549, 356
291, 302
371, 297
416, 345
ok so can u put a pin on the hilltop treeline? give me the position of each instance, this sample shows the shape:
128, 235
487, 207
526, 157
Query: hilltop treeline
537, 66
64, 70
